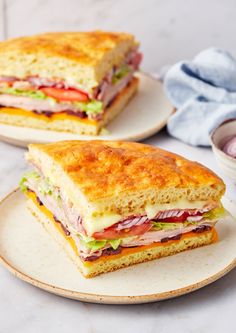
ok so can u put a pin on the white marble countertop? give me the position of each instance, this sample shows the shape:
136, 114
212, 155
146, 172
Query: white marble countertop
24, 308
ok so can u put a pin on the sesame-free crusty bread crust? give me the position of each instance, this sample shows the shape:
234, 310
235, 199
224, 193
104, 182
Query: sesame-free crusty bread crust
123, 177
128, 256
69, 123
80, 58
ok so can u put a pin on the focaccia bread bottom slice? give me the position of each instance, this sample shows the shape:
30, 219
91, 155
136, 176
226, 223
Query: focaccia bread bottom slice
69, 123
128, 256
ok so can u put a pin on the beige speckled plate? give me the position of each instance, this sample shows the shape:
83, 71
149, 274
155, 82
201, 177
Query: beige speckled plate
145, 115
28, 251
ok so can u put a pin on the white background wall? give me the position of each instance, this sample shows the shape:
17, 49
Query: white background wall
169, 30
1, 20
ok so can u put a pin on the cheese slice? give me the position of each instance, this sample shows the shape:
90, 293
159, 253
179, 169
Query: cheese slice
94, 223
152, 210
52, 117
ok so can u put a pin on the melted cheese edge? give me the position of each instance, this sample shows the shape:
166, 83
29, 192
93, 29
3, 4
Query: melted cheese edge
152, 210
54, 116
124, 252
93, 223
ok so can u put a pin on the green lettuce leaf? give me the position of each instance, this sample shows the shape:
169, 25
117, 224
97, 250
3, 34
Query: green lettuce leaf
92, 107
120, 73
27, 175
46, 187
166, 226
188, 223
38, 94
115, 243
215, 214
94, 245
22, 185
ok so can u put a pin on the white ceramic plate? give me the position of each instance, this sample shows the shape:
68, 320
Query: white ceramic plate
145, 115
28, 251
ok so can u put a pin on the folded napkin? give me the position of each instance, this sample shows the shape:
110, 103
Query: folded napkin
204, 94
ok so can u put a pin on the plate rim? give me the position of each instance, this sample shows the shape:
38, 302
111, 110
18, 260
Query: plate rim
109, 299
136, 137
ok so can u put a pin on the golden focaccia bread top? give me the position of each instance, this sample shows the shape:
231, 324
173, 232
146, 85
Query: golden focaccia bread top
73, 56
107, 169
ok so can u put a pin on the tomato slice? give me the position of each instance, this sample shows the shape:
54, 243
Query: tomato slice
69, 95
112, 233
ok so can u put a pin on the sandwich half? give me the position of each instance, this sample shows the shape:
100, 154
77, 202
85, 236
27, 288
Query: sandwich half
115, 204
68, 81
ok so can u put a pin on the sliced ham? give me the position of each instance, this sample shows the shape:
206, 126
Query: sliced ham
156, 236
39, 82
111, 90
33, 104
148, 238
8, 79
63, 210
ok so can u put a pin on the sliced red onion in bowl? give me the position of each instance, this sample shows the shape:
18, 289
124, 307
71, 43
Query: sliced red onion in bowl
230, 147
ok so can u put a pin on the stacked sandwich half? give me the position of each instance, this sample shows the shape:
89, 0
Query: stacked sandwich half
117, 203
73, 82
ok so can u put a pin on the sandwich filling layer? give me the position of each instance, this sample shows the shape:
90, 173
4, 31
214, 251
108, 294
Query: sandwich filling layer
129, 231
44, 95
